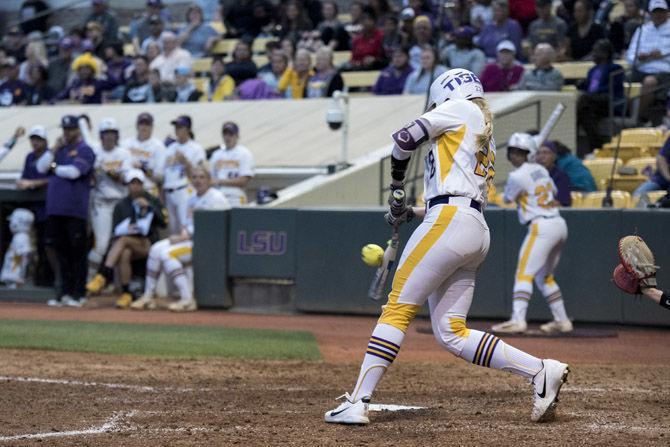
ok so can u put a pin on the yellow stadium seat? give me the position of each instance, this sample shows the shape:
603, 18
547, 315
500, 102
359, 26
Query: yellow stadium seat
601, 168
258, 47
626, 151
652, 196
624, 182
225, 46
621, 199
260, 60
341, 57
202, 65
641, 163
359, 79
219, 27
128, 49
641, 136
577, 198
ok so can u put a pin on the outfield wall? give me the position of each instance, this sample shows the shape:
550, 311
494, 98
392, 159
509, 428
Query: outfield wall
319, 249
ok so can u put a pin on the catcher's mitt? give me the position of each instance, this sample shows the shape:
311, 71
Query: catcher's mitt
637, 269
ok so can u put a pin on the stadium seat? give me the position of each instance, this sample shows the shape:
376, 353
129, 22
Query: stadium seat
260, 59
219, 27
626, 152
652, 196
360, 79
258, 47
627, 183
577, 198
225, 46
621, 199
641, 163
601, 168
641, 136
128, 49
202, 65
341, 57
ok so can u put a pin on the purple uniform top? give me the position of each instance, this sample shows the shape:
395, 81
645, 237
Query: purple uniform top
67, 197
30, 172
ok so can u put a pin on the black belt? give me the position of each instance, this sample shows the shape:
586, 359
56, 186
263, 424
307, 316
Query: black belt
171, 190
440, 200
537, 218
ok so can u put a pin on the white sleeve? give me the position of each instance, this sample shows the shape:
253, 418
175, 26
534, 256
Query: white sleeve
632, 48
159, 157
67, 171
447, 116
86, 133
247, 165
44, 163
4, 150
512, 189
21, 243
200, 155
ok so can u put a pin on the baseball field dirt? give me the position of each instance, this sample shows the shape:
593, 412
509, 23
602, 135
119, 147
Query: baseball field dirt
618, 393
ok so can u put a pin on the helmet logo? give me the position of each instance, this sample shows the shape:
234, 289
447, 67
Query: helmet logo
460, 79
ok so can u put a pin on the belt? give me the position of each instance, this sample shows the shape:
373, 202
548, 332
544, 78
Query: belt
171, 190
538, 218
454, 200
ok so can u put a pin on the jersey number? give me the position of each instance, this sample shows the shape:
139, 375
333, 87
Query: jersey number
543, 194
486, 159
430, 164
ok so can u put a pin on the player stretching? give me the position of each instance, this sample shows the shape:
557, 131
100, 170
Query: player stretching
442, 256
531, 187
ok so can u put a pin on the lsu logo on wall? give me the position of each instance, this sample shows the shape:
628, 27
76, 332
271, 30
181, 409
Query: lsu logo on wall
261, 242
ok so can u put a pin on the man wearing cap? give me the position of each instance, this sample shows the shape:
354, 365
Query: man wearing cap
85, 88
156, 28
59, 67
547, 27
135, 222
141, 27
147, 152
111, 164
69, 165
13, 91
181, 157
172, 57
653, 55
462, 53
505, 73
544, 76
102, 14
232, 166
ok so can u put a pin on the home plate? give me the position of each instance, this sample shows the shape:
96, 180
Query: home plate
392, 407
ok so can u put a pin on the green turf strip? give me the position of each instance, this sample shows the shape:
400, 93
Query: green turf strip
155, 340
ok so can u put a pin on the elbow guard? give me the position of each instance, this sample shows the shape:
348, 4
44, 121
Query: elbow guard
411, 136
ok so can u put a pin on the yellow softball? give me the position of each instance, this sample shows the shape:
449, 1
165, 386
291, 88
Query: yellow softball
372, 255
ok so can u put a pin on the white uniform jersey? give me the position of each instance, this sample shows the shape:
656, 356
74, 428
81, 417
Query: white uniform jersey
230, 164
16, 259
455, 164
532, 188
212, 199
175, 175
116, 161
148, 155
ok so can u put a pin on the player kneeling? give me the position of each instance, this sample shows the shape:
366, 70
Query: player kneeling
173, 254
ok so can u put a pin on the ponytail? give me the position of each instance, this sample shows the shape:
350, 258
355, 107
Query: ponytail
484, 139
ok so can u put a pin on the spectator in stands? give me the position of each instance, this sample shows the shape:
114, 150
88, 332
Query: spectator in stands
242, 67
153, 51
326, 79
232, 166
391, 80
137, 88
544, 76
462, 53
40, 91
660, 179
392, 38
36, 55
69, 165
94, 35
523, 11
197, 37
13, 43
331, 30
172, 57
419, 81
580, 177
221, 85
106, 18
59, 67
118, 66
35, 16
294, 21
52, 41
367, 52
501, 28
86, 88
505, 73
32, 179
293, 82
583, 33
136, 221
211, 9
548, 28
238, 19
185, 90
406, 29
159, 92
140, 28
546, 156
423, 37
278, 65
263, 20
652, 64
593, 104
622, 29
382, 10
156, 28
481, 13
13, 91
355, 12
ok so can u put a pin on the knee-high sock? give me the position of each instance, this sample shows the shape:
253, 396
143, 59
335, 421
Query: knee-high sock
520, 305
484, 349
382, 349
175, 271
557, 306
153, 270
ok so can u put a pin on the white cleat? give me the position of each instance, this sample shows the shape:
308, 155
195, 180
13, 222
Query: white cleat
510, 327
546, 386
557, 327
55, 302
183, 306
69, 301
349, 412
146, 301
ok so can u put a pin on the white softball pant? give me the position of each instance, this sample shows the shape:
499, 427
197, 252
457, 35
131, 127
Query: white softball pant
177, 207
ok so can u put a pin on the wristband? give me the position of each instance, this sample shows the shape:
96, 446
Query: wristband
665, 301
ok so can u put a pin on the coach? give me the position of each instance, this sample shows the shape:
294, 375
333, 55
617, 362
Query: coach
69, 165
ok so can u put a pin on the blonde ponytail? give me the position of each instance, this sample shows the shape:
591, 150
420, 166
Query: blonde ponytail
484, 139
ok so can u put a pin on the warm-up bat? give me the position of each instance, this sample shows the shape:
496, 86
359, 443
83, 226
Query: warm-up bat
550, 124
378, 286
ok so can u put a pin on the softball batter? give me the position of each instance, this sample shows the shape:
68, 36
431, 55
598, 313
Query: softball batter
442, 256
532, 188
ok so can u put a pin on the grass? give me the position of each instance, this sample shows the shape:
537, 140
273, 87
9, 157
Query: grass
154, 340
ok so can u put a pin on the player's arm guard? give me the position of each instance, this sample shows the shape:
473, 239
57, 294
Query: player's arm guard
637, 269
411, 136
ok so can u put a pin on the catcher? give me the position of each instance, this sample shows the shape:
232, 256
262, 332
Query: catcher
636, 274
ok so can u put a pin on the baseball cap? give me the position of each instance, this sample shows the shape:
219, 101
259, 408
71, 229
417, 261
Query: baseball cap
464, 31
182, 121
134, 174
658, 4
38, 131
506, 45
231, 127
145, 118
107, 124
407, 14
69, 122
154, 18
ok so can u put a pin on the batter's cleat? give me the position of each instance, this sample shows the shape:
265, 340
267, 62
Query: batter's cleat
124, 300
55, 302
96, 285
69, 301
547, 384
349, 412
510, 327
146, 301
183, 306
557, 327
